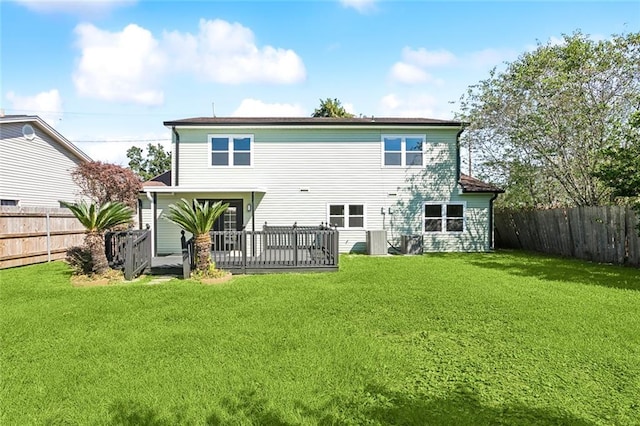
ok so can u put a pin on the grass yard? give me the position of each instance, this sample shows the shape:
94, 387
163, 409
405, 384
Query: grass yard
482, 339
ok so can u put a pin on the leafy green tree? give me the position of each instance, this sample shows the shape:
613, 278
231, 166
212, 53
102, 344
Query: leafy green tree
620, 168
97, 219
538, 128
331, 108
156, 162
198, 219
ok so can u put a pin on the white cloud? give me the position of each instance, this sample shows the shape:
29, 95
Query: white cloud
362, 6
409, 74
128, 66
226, 52
349, 108
427, 58
415, 105
47, 105
119, 66
75, 7
257, 108
412, 68
418, 65
390, 102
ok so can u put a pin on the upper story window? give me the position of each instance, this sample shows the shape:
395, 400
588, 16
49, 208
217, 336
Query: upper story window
231, 150
346, 215
403, 150
444, 217
12, 203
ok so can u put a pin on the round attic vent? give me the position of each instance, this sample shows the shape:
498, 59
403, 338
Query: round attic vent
28, 132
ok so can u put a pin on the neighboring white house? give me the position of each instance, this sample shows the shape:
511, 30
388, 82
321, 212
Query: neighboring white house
401, 175
36, 163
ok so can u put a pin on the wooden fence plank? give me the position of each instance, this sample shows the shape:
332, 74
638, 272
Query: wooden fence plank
602, 234
632, 242
36, 234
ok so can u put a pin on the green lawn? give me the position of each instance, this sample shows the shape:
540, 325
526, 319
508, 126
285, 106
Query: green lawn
504, 338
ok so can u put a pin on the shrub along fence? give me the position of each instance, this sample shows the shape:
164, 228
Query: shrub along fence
36, 234
606, 234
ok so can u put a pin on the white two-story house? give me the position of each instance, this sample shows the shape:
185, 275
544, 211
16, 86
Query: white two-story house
401, 175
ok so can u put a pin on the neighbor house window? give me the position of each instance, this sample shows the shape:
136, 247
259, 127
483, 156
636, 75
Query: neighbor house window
346, 215
444, 217
403, 150
232, 150
9, 203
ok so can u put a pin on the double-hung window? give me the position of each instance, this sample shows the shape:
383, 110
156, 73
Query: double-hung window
444, 217
346, 215
231, 150
403, 150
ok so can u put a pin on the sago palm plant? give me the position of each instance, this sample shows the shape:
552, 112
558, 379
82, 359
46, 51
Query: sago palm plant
198, 219
97, 219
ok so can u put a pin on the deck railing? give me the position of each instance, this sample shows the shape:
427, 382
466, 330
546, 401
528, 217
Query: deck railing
129, 251
275, 248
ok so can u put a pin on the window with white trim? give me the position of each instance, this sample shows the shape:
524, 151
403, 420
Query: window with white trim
443, 217
231, 150
403, 150
348, 216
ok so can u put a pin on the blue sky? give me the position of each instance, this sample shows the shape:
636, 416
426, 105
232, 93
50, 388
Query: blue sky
106, 74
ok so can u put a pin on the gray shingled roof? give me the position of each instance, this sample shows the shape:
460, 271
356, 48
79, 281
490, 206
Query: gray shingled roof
163, 179
311, 121
471, 184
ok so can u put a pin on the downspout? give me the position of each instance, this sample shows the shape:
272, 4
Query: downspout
152, 200
174, 176
495, 195
458, 161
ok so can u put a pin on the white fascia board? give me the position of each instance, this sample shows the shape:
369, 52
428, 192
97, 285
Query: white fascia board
185, 189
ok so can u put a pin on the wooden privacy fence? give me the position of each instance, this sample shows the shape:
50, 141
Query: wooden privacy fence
605, 234
129, 251
36, 234
274, 249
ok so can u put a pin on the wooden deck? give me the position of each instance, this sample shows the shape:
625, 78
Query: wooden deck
269, 261
274, 249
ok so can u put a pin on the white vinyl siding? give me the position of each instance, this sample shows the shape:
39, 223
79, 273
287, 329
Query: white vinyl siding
36, 171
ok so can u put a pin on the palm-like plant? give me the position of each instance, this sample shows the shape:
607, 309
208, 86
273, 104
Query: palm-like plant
197, 218
97, 219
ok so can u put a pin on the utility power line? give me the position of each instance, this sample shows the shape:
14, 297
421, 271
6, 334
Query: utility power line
123, 140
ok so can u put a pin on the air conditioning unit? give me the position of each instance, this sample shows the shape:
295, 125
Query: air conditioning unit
411, 244
376, 242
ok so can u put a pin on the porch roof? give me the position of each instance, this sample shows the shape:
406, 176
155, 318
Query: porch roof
202, 189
